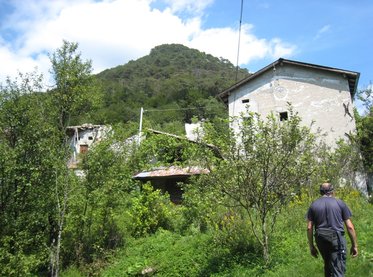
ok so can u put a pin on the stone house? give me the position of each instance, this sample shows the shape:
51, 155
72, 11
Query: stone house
81, 138
322, 96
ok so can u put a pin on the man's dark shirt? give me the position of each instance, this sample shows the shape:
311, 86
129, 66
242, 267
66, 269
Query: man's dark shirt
328, 212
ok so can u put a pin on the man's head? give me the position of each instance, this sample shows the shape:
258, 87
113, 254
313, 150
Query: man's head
326, 189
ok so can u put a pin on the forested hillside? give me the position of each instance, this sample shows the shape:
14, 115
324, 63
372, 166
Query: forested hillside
172, 77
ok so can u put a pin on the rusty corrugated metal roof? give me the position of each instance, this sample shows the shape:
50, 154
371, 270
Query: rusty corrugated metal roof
172, 171
70, 130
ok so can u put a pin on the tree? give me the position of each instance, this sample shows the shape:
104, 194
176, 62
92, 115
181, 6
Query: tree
73, 93
29, 158
74, 89
365, 131
263, 166
35, 183
96, 212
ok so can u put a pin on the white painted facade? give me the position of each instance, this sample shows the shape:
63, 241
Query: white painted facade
81, 139
321, 96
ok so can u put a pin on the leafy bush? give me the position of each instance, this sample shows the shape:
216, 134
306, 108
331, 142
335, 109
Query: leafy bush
17, 263
228, 248
149, 211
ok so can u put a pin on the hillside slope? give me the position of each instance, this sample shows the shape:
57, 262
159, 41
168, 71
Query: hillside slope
173, 77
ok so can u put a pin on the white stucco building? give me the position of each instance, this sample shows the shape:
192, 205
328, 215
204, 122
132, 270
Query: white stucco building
82, 137
322, 96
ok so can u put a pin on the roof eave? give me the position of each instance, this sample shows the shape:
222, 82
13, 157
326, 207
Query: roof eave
353, 82
225, 94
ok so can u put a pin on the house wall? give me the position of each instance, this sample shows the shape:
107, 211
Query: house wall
321, 98
83, 138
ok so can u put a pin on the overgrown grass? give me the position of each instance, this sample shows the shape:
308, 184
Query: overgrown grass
167, 253
170, 254
290, 252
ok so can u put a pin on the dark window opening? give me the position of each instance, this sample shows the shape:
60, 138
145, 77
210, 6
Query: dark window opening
283, 116
245, 101
90, 138
83, 148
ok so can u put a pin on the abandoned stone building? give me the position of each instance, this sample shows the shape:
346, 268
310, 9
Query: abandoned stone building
81, 138
322, 96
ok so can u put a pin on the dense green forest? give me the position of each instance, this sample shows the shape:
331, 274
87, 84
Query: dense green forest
245, 218
178, 82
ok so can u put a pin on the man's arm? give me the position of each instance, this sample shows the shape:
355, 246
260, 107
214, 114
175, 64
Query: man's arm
313, 249
352, 234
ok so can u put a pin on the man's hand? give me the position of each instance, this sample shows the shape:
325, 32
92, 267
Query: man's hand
353, 251
314, 251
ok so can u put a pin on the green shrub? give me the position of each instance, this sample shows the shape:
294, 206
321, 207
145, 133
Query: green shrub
14, 261
149, 211
71, 272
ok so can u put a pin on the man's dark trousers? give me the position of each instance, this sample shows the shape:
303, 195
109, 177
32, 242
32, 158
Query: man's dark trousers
332, 246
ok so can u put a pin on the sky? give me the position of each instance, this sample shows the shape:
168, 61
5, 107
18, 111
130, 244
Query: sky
335, 33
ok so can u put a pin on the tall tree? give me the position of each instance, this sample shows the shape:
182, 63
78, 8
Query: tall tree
95, 213
263, 165
74, 88
74, 91
29, 158
365, 132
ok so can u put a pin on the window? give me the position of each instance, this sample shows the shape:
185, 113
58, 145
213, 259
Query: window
283, 116
244, 101
83, 148
90, 138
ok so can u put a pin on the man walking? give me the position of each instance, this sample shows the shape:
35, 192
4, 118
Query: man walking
327, 215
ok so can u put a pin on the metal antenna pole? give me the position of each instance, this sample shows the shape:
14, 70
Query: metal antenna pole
140, 128
239, 40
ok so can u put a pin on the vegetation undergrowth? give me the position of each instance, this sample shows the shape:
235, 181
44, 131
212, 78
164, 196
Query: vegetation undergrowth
170, 254
291, 256
196, 253
201, 254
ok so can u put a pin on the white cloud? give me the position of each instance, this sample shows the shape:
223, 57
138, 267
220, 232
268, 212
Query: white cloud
191, 6
112, 32
223, 42
322, 31
12, 62
279, 49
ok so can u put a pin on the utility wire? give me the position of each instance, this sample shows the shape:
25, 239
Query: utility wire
180, 109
